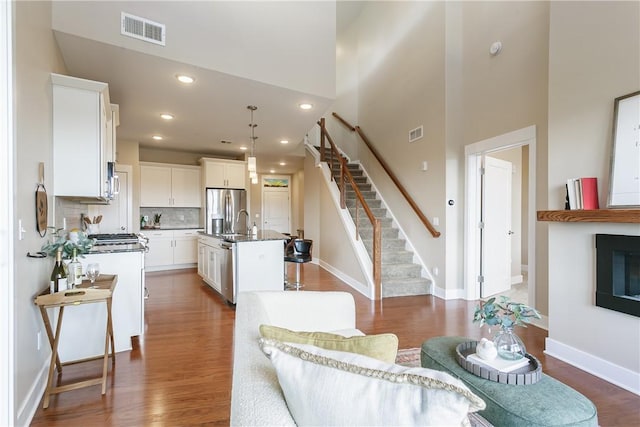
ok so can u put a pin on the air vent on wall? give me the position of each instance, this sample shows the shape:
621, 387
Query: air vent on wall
142, 29
415, 134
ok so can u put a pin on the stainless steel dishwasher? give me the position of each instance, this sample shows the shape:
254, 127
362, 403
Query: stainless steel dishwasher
226, 272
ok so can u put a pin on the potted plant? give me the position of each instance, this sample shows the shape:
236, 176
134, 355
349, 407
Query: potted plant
505, 314
82, 244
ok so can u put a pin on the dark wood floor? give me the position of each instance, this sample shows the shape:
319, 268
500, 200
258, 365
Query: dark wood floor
179, 373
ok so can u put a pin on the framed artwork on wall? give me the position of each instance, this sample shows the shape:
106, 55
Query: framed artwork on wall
624, 182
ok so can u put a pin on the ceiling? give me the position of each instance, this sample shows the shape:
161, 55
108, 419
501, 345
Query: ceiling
273, 67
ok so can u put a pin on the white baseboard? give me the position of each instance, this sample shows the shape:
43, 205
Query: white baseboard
448, 294
169, 267
355, 284
29, 406
517, 279
618, 375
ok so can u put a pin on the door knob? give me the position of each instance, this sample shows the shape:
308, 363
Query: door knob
511, 232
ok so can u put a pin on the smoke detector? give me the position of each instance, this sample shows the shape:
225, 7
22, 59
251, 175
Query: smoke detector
142, 29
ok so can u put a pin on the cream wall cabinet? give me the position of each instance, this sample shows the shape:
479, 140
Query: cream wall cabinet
224, 173
169, 186
171, 249
84, 137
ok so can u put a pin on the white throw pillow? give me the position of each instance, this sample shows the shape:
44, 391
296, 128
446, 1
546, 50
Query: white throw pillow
324, 387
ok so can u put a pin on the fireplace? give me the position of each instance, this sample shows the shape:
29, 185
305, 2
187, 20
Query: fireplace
618, 273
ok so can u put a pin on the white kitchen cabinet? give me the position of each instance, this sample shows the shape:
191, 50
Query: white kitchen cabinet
185, 246
171, 249
83, 333
160, 248
224, 173
210, 261
169, 186
83, 137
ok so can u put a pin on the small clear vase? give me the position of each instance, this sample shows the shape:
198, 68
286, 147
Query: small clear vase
509, 345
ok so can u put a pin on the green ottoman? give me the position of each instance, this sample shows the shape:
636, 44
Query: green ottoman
545, 403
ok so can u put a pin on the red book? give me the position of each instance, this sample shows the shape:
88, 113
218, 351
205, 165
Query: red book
589, 193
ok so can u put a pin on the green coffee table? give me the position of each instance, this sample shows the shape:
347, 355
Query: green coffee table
545, 403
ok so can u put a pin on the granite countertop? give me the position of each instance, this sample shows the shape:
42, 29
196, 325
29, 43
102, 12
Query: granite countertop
239, 238
171, 228
108, 249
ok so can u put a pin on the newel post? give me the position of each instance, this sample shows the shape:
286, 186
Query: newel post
322, 132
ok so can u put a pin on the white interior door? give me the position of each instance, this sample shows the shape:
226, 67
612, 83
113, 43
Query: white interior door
276, 206
117, 215
496, 231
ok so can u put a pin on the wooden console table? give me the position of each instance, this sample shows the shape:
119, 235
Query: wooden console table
86, 293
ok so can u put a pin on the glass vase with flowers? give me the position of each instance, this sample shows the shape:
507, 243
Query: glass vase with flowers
505, 314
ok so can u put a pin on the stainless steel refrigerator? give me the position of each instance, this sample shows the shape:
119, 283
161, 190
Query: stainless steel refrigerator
223, 212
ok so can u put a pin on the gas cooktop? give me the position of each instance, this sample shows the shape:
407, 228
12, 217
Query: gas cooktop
115, 238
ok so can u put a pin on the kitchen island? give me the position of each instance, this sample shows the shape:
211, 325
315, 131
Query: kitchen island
82, 336
234, 263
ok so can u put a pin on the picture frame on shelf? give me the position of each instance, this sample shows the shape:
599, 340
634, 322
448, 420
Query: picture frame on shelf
624, 182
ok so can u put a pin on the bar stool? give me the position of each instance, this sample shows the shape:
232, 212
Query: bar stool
301, 254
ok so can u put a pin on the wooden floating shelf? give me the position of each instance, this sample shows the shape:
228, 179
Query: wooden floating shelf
630, 216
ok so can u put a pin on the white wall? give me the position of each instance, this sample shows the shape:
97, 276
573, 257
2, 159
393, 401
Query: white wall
428, 63
594, 57
391, 80
36, 56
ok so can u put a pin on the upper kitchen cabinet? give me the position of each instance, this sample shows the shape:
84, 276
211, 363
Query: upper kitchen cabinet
169, 186
84, 139
224, 173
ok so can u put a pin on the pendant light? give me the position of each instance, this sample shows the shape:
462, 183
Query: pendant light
251, 160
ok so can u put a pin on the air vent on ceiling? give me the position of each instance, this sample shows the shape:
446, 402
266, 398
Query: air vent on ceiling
415, 134
142, 29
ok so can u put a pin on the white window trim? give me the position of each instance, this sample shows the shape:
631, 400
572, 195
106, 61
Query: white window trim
7, 334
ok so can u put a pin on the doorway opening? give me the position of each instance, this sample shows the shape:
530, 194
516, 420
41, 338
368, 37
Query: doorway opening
511, 235
276, 203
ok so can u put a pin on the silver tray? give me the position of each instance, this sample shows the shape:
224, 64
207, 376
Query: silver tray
529, 374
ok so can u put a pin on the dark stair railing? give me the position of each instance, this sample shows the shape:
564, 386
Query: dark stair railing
394, 178
346, 179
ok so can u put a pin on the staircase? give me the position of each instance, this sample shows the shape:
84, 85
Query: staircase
400, 276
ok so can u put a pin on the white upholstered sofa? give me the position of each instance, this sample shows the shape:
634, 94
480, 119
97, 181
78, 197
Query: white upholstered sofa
320, 383
256, 397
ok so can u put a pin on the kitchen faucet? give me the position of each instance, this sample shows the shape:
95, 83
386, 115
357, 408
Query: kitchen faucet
247, 223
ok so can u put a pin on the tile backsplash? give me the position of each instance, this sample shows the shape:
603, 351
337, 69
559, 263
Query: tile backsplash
174, 217
69, 212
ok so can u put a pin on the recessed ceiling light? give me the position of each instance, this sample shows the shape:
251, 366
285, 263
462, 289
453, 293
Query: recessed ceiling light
166, 116
283, 164
284, 141
272, 171
157, 137
306, 106
183, 78
243, 148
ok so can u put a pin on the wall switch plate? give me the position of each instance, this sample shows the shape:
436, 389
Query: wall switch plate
436, 220
21, 230
425, 166
435, 271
